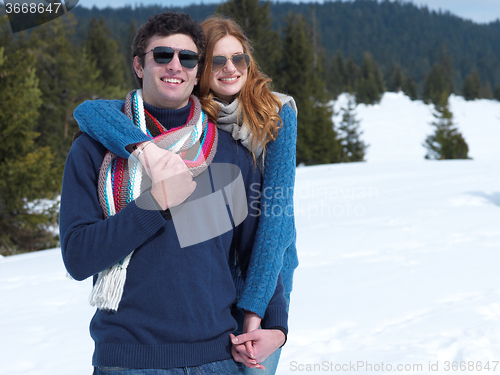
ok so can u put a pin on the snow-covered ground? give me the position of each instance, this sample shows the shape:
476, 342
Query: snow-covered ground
399, 262
397, 127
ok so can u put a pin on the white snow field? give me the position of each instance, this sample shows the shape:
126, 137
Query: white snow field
399, 262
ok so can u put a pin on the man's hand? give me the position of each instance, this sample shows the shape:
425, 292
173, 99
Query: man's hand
264, 342
172, 181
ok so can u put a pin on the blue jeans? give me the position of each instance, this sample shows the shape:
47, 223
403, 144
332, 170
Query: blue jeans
227, 367
270, 363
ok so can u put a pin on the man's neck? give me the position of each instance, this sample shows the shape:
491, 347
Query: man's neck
169, 118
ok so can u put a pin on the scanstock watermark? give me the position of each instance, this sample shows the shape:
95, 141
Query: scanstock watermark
26, 14
364, 367
218, 204
313, 201
354, 366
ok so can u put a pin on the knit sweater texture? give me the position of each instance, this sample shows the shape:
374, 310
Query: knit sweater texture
176, 306
274, 248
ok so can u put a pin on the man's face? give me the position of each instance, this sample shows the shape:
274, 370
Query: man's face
167, 86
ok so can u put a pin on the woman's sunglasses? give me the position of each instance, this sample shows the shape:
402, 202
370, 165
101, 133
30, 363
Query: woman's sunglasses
163, 55
240, 60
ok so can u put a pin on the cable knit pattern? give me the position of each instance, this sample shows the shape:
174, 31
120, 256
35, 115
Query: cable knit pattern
105, 122
274, 248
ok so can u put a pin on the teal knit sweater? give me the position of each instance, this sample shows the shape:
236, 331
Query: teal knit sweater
274, 248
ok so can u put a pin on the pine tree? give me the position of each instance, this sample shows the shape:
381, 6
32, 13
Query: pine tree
353, 148
447, 70
6, 40
255, 18
56, 70
320, 63
439, 80
26, 170
127, 47
333, 79
472, 86
370, 87
435, 85
353, 75
396, 81
57, 73
446, 142
316, 141
342, 72
67, 75
379, 78
487, 92
104, 50
410, 88
496, 93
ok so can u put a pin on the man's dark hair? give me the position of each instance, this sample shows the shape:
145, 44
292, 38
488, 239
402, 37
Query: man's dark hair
166, 24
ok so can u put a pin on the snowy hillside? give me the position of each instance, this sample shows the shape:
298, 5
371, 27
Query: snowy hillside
397, 127
399, 272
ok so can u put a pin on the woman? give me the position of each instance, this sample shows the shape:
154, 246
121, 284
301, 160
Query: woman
236, 94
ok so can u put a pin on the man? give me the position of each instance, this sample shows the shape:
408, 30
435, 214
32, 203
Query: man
160, 254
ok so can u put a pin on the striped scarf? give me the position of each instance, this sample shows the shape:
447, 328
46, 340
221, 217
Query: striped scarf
120, 179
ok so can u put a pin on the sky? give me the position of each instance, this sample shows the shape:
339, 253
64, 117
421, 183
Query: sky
480, 11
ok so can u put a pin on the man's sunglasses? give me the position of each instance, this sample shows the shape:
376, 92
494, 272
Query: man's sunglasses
240, 60
163, 55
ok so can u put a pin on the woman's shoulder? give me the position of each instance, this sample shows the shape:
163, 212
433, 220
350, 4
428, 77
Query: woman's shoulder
284, 146
289, 123
288, 114
286, 100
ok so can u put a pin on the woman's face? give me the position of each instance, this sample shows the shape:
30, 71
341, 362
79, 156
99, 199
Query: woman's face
229, 81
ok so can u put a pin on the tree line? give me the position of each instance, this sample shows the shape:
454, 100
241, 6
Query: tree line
395, 33
47, 71
43, 77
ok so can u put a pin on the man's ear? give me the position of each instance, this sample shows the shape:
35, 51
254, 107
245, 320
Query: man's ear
138, 67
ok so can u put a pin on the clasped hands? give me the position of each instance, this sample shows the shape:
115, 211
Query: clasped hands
254, 345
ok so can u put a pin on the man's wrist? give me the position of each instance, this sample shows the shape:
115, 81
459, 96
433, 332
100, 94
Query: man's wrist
138, 149
134, 146
138, 152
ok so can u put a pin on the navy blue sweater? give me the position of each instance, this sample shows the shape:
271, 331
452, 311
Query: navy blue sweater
176, 305
274, 250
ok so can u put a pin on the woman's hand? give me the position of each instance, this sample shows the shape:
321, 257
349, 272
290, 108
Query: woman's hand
253, 346
251, 322
263, 343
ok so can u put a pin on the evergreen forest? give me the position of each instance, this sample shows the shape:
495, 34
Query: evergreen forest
312, 51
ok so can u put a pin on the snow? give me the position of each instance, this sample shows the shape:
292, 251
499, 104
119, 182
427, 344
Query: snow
399, 262
397, 127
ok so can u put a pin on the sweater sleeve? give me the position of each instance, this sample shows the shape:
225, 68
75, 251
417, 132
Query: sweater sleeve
105, 122
276, 228
90, 243
276, 314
